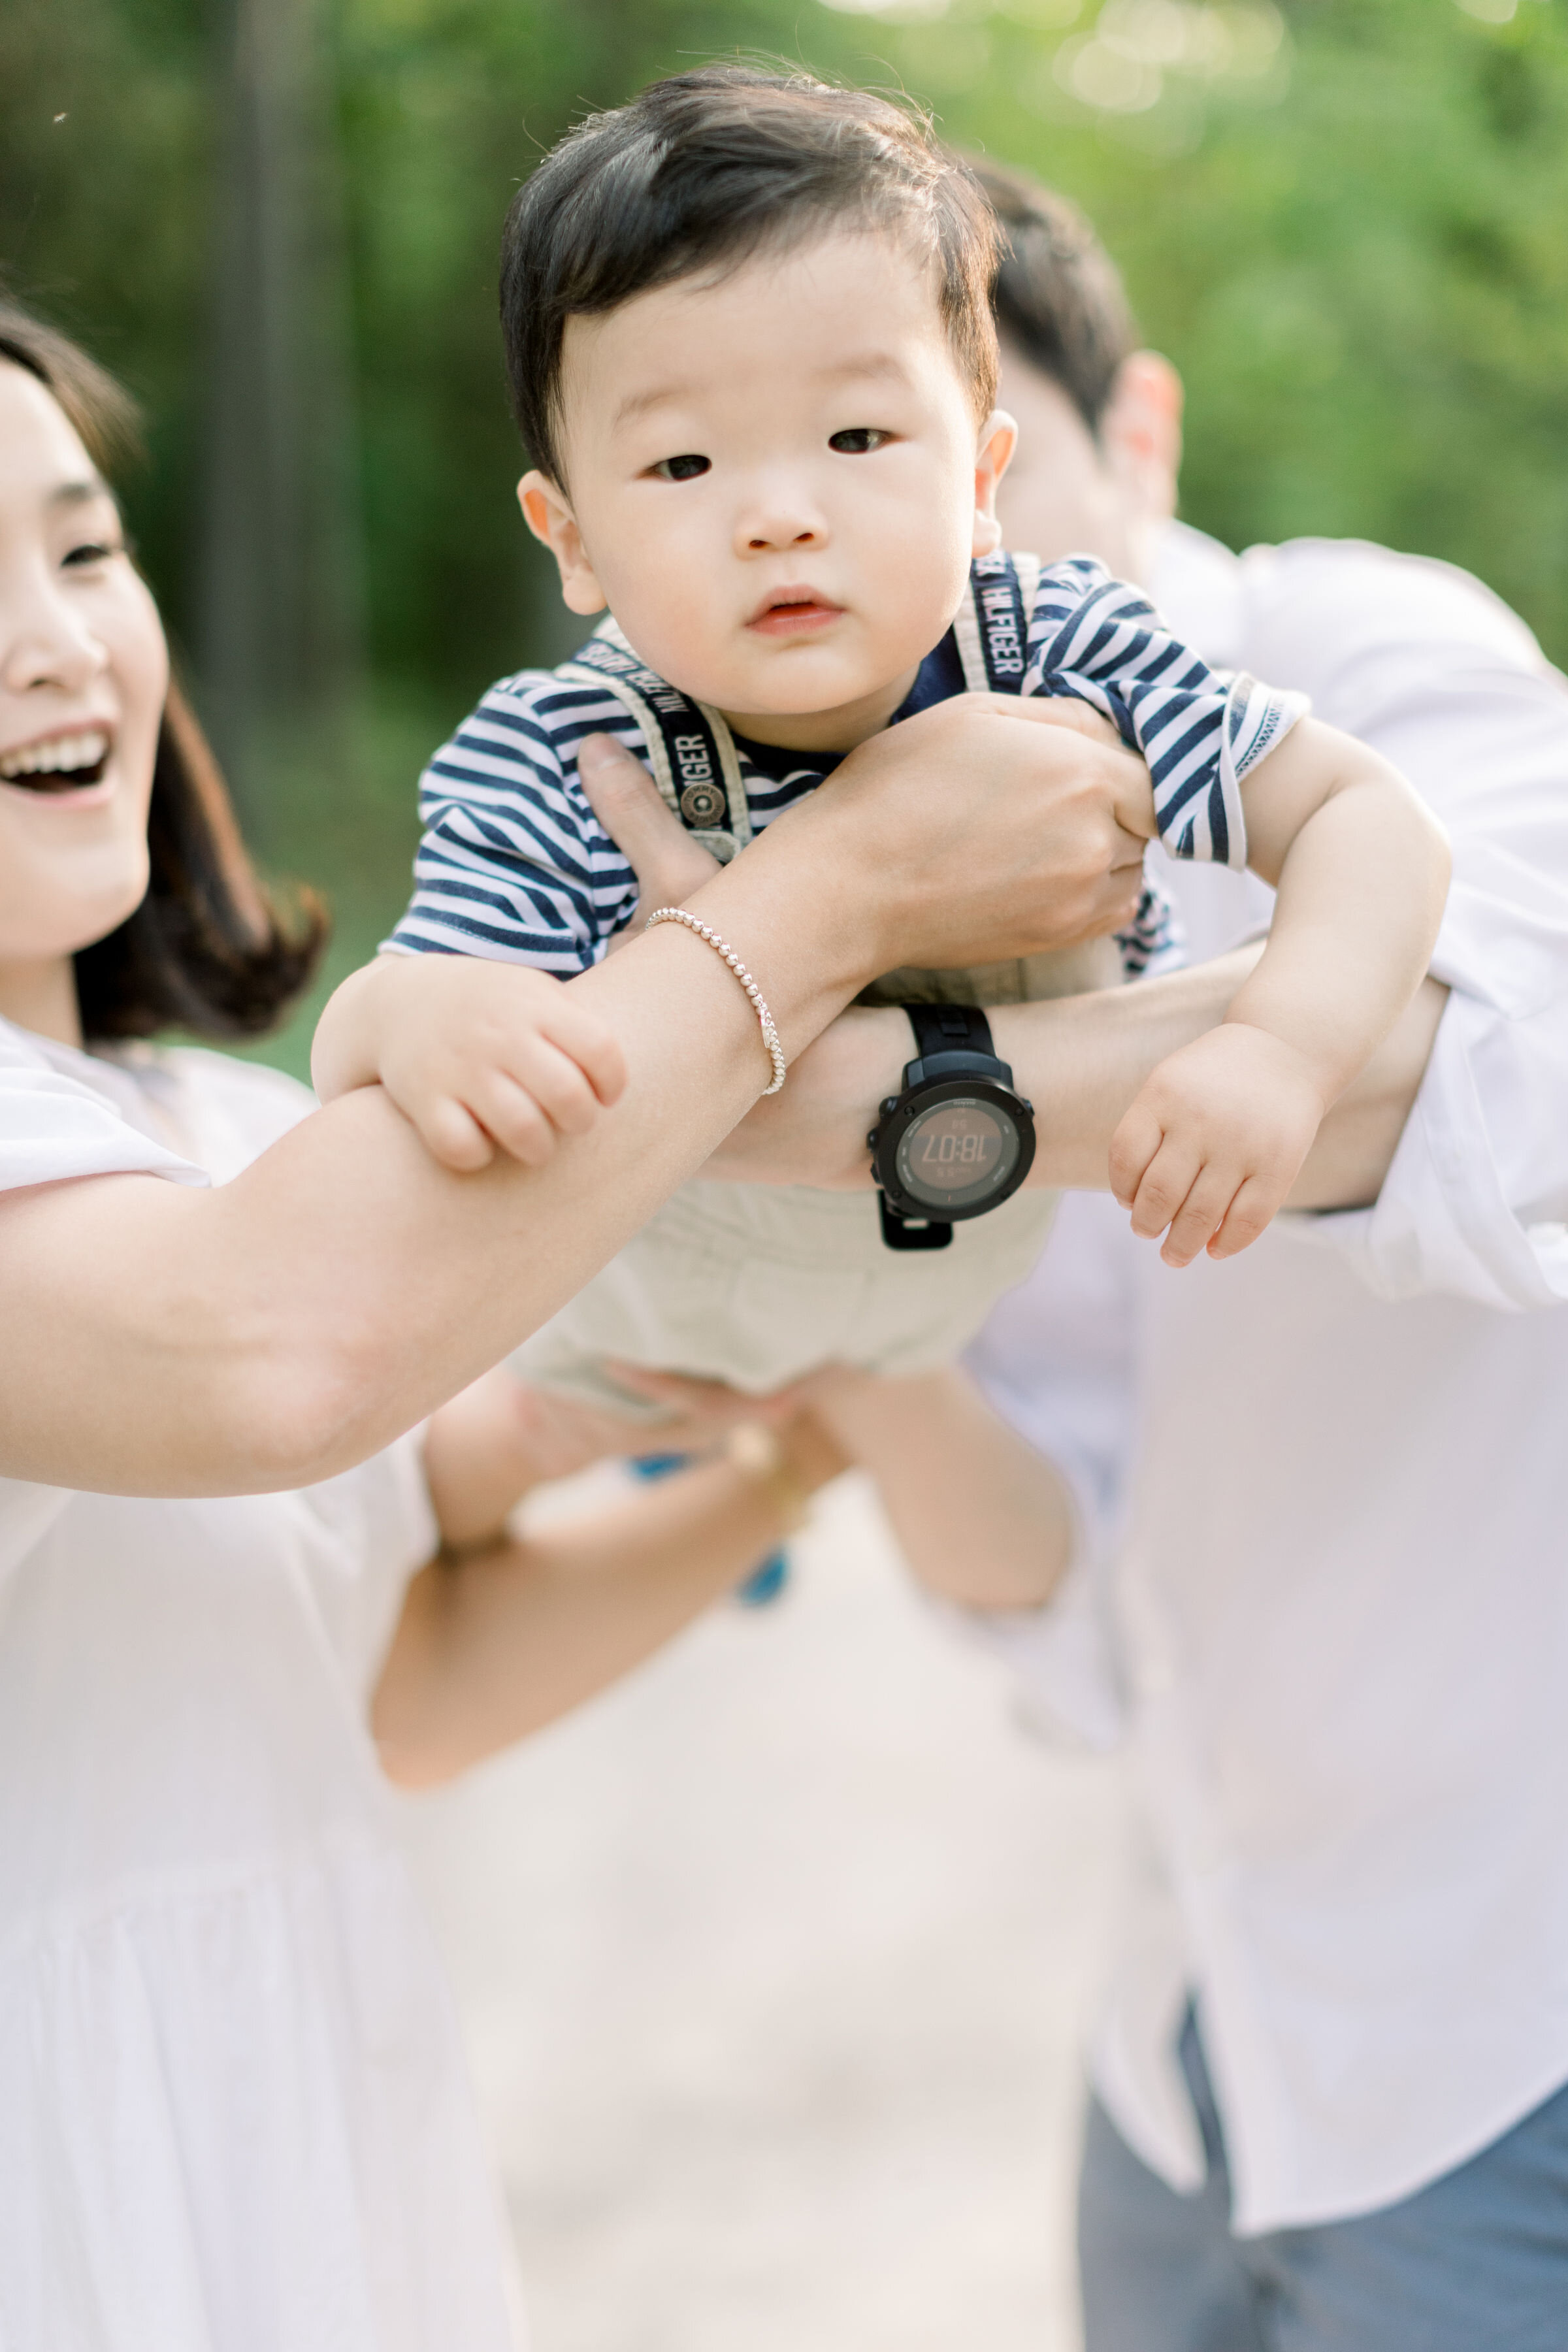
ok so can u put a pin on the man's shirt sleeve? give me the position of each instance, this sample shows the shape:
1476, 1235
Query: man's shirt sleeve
1200, 730
512, 864
1422, 663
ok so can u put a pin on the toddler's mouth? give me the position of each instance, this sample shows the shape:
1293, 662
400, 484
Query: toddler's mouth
793, 611
57, 764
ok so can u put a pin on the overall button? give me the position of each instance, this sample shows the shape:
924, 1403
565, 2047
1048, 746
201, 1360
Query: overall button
701, 804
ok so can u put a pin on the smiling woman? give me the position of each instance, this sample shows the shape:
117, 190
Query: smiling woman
191, 936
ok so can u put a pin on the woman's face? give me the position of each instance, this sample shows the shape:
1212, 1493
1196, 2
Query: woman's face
83, 673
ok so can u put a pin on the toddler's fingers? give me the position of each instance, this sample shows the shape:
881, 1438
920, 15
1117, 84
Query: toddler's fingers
1252, 1211
1166, 1182
1133, 1148
1199, 1215
555, 1083
510, 1115
454, 1136
595, 1049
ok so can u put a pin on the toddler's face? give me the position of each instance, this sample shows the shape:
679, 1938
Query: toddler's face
776, 482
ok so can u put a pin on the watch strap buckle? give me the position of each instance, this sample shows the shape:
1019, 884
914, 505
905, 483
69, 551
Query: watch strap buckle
900, 1233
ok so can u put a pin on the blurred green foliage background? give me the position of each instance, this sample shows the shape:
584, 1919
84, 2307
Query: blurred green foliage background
1346, 221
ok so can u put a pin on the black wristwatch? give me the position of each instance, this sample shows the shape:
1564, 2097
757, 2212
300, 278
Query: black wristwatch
958, 1140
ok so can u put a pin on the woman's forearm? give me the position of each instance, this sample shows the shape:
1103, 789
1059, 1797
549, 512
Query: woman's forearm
495, 1646
277, 1329
161, 1340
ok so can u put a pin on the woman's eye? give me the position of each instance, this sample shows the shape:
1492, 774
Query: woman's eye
682, 469
91, 551
859, 440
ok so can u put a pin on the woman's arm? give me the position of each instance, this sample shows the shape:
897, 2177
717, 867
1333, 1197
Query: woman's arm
161, 1340
495, 1645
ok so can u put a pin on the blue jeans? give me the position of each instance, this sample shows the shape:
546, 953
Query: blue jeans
1476, 2261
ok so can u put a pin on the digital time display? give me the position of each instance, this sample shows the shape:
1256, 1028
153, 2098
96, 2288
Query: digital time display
958, 1151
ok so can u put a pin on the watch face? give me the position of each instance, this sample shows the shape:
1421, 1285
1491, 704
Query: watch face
957, 1153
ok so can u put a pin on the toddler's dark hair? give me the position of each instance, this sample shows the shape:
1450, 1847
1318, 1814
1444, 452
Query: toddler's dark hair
702, 172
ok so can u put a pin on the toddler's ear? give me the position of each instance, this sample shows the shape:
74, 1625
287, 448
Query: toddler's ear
550, 519
998, 439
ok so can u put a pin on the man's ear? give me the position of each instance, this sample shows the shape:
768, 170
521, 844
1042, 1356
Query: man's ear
1141, 432
998, 439
550, 519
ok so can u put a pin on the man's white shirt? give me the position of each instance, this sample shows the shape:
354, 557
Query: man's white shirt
1327, 1488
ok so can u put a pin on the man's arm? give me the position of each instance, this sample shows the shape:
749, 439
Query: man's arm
1079, 1060
1425, 665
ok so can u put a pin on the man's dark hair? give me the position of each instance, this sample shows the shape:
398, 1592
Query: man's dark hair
1058, 298
206, 947
705, 169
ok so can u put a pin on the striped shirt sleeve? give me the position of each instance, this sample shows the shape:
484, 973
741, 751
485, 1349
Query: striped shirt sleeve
512, 864
1202, 732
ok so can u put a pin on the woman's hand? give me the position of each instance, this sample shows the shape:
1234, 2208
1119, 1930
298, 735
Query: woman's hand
1096, 813
996, 826
668, 863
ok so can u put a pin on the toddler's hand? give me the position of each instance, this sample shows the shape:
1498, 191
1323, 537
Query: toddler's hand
474, 1054
1213, 1142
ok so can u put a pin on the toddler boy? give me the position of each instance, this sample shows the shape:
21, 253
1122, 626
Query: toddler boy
749, 334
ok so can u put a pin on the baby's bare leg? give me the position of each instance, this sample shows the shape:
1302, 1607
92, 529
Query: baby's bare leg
982, 1519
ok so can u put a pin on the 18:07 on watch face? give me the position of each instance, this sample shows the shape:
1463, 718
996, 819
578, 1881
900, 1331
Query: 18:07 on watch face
958, 1151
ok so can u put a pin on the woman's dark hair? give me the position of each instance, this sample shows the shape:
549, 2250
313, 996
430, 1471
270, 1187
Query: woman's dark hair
207, 949
1059, 302
702, 171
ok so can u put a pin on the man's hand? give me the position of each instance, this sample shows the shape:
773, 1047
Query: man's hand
1213, 1142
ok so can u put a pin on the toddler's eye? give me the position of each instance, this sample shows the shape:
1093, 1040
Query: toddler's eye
859, 440
683, 469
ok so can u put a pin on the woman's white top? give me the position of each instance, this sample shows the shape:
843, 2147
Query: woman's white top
234, 2116
1332, 1478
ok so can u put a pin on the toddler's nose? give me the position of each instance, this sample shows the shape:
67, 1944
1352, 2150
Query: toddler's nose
773, 523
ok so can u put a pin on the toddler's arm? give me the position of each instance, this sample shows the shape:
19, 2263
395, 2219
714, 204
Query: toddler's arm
474, 1055
1215, 1138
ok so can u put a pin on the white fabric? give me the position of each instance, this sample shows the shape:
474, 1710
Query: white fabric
234, 2116
758, 1284
1338, 1550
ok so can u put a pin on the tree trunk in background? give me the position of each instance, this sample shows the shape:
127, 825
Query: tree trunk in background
280, 631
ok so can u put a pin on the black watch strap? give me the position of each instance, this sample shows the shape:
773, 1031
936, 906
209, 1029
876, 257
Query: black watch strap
950, 1029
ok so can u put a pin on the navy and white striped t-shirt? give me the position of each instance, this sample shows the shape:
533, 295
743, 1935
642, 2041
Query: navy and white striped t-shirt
514, 866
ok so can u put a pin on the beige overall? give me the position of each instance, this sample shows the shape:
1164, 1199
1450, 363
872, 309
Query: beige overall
759, 1284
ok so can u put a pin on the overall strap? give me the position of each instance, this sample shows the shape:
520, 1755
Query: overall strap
690, 750
991, 625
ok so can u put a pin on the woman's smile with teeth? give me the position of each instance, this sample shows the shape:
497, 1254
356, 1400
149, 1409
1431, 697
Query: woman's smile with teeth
59, 763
